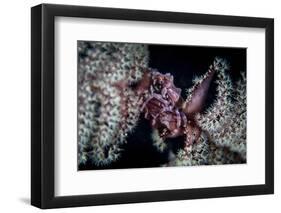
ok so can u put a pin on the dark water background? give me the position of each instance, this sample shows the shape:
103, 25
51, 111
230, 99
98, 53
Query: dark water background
183, 62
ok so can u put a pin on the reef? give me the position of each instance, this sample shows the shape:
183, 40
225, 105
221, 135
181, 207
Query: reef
223, 125
108, 107
117, 88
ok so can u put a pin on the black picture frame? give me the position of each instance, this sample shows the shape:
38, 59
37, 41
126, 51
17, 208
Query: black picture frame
43, 102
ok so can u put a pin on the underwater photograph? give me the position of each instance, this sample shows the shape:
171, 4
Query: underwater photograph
156, 105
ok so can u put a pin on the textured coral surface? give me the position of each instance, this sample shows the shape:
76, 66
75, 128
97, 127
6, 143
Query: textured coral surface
108, 107
133, 115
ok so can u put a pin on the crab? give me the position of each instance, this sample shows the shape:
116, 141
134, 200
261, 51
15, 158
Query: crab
168, 112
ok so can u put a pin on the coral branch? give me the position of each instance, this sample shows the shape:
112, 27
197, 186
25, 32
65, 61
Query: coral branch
116, 86
198, 93
223, 136
109, 107
226, 119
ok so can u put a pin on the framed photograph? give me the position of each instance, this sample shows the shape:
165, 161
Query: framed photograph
140, 106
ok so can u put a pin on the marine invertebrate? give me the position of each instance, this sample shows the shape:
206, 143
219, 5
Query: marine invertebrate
108, 107
159, 105
225, 121
117, 88
223, 125
169, 114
